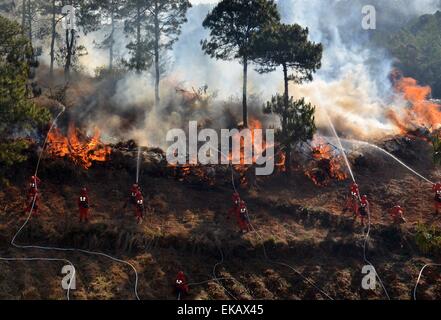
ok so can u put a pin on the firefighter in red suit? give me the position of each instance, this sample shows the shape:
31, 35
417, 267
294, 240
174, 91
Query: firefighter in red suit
243, 218
139, 208
397, 214
363, 210
132, 198
83, 205
33, 201
181, 285
437, 199
236, 206
352, 202
34, 182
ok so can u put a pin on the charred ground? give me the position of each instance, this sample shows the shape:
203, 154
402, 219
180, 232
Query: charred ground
187, 229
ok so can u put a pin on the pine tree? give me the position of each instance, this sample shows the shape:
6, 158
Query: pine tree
233, 24
288, 47
165, 21
111, 11
17, 112
298, 123
136, 30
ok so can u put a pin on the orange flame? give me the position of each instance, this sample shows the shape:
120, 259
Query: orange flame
183, 172
82, 152
326, 165
422, 112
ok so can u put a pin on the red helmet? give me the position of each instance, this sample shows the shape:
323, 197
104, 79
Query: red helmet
180, 276
33, 181
135, 188
236, 198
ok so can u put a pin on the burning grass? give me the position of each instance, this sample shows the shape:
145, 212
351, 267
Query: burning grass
326, 164
81, 150
421, 111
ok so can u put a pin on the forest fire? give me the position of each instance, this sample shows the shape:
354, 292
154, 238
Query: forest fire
82, 151
325, 165
421, 112
241, 165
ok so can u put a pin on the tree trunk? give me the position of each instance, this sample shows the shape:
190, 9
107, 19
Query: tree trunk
157, 70
245, 85
288, 160
53, 35
285, 96
285, 120
70, 42
29, 22
138, 39
112, 38
23, 17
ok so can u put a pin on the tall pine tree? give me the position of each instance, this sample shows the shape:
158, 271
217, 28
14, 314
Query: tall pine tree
288, 47
17, 113
233, 24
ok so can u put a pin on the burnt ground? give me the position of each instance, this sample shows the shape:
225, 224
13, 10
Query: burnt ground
298, 223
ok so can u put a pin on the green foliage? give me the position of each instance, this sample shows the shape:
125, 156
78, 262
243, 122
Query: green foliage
428, 239
417, 46
287, 46
298, 120
140, 56
233, 24
17, 113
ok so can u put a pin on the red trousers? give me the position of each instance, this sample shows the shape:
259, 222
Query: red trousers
139, 213
437, 205
35, 208
352, 204
84, 214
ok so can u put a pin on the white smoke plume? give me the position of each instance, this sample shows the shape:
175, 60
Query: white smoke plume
353, 84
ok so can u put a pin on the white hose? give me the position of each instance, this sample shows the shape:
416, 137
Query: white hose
56, 248
420, 274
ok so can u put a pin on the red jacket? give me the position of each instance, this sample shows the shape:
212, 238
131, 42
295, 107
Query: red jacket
355, 191
396, 212
34, 182
181, 283
83, 200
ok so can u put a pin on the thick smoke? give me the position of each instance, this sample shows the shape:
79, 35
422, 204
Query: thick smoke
353, 85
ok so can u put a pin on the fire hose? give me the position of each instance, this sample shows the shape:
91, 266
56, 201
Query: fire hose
417, 174
263, 243
56, 248
30, 214
366, 239
420, 274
